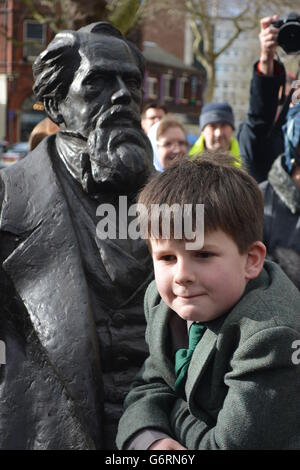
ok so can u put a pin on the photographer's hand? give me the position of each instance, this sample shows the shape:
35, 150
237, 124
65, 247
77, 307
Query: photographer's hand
268, 44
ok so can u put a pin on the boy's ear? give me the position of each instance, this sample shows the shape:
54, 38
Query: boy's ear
51, 108
255, 260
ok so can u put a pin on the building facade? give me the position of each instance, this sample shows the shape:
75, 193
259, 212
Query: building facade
234, 68
21, 39
171, 77
168, 78
171, 82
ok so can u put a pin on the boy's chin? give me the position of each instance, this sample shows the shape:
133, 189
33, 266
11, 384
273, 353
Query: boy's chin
190, 314
194, 314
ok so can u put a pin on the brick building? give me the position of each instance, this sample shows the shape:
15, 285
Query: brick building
168, 78
21, 39
170, 75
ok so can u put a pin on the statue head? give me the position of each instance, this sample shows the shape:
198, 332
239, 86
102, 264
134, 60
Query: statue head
90, 82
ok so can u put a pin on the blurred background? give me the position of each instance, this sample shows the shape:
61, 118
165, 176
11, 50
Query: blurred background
196, 51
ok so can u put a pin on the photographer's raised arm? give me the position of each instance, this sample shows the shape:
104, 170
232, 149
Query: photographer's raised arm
258, 148
268, 45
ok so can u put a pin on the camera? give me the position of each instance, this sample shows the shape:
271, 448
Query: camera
289, 33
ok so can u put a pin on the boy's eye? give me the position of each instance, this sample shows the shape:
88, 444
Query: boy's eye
167, 258
204, 254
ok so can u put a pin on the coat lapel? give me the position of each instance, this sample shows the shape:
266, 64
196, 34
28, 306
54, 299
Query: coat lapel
159, 341
199, 361
47, 274
202, 356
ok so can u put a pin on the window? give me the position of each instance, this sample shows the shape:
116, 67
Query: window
168, 87
183, 89
152, 87
34, 35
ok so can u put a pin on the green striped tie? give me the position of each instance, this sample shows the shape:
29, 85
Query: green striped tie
183, 357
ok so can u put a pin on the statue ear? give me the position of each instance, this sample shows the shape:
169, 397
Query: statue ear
51, 108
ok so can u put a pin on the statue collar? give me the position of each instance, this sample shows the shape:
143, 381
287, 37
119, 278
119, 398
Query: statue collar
70, 148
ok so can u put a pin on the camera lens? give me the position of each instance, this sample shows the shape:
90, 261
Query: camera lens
289, 37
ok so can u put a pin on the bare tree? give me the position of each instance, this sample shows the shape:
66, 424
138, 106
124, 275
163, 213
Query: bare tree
205, 16
72, 14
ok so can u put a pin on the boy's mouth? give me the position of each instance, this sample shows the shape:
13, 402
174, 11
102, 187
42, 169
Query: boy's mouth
190, 296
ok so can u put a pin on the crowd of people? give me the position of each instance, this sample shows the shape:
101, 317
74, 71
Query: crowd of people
207, 363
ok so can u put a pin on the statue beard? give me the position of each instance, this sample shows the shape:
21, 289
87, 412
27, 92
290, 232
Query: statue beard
119, 157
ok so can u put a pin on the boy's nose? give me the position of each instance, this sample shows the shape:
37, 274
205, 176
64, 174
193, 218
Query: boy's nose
121, 95
183, 273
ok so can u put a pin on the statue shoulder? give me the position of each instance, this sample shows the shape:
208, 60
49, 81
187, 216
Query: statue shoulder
2, 192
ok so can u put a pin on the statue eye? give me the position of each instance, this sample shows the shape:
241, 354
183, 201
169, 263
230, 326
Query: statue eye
132, 82
95, 80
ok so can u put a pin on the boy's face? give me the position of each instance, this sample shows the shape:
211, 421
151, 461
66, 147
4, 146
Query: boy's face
200, 285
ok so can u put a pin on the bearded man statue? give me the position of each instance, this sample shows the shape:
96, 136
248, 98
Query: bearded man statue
71, 302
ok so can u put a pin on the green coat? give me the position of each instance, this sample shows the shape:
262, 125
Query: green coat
243, 386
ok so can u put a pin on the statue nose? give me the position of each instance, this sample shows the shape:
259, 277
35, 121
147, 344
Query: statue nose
122, 95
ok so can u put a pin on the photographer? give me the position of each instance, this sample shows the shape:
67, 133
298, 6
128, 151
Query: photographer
282, 201
273, 154
258, 148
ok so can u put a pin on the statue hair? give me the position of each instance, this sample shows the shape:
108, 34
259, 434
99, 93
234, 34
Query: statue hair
55, 67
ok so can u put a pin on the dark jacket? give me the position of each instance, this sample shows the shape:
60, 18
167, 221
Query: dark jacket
60, 387
282, 220
242, 385
258, 147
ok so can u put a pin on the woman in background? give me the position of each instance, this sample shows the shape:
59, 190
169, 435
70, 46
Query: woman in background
171, 141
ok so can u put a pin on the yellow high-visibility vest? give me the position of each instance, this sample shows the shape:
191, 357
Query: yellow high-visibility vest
234, 149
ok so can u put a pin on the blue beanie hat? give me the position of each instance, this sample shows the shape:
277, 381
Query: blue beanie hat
216, 112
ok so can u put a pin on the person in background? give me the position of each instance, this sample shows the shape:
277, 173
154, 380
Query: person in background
259, 143
152, 113
40, 131
282, 201
171, 141
271, 155
216, 126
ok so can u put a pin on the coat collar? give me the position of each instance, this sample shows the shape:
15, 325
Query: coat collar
47, 273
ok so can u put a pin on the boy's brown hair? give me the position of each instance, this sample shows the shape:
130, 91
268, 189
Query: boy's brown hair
232, 199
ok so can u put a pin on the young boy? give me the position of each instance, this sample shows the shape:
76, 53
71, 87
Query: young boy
241, 388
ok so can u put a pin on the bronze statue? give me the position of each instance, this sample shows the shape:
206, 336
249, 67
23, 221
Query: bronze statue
70, 302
